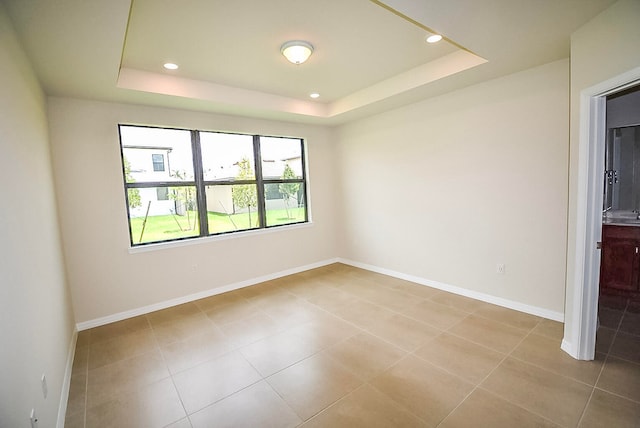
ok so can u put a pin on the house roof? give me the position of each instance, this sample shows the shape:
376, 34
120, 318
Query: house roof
369, 56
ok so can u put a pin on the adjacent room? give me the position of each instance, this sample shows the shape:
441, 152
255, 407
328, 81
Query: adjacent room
322, 214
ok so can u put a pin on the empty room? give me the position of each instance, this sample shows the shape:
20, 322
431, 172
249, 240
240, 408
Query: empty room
290, 213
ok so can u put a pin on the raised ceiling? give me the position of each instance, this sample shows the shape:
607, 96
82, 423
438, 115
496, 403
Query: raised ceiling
369, 56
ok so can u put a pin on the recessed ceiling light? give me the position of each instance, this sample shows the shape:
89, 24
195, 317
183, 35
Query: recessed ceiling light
434, 38
171, 66
314, 95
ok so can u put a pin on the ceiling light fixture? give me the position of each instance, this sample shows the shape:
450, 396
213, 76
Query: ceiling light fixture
170, 66
297, 51
314, 95
434, 38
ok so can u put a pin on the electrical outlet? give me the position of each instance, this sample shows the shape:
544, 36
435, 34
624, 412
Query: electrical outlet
43, 382
33, 419
500, 268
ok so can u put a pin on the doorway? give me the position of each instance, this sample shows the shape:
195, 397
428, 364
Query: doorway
582, 305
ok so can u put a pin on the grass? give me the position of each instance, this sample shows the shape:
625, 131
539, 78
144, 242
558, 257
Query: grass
166, 227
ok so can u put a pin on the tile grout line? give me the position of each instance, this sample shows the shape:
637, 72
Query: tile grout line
604, 363
507, 355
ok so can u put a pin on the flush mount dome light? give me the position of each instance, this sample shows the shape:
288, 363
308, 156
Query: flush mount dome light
434, 38
170, 66
297, 51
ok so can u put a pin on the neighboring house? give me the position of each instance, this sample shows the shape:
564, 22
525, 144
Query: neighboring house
153, 163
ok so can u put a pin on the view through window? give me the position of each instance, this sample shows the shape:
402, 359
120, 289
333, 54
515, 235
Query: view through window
182, 184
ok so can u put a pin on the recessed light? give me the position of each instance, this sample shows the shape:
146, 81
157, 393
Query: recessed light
314, 95
434, 38
171, 66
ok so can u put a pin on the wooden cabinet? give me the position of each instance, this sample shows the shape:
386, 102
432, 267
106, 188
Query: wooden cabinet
620, 262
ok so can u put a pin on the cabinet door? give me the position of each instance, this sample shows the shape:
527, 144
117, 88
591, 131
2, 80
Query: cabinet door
619, 267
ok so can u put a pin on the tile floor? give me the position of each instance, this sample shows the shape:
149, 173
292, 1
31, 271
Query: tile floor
343, 347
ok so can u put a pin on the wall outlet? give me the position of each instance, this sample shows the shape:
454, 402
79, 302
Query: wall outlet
43, 382
500, 268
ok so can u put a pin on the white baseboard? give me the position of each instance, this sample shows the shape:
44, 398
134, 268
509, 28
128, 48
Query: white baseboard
196, 296
518, 306
66, 381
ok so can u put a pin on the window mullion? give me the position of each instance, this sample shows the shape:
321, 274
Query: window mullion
201, 194
257, 156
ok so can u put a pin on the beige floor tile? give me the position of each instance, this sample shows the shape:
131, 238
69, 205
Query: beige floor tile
277, 352
214, 380
604, 339
121, 347
213, 302
112, 330
194, 350
173, 313
626, 346
364, 408
331, 299
551, 329
155, 405
621, 377
395, 300
558, 398
414, 289
423, 389
84, 338
435, 314
75, 420
508, 316
125, 375
608, 410
325, 332
365, 355
631, 323
364, 314
182, 328
492, 334
546, 353
81, 359
403, 332
462, 303
251, 329
232, 312
312, 384
294, 312
77, 398
460, 357
483, 409
255, 406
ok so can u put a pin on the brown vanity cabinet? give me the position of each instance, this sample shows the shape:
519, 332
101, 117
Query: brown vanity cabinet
620, 262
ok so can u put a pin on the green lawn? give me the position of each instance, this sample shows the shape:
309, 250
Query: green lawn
164, 227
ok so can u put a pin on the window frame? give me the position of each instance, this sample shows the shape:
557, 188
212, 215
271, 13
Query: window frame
200, 184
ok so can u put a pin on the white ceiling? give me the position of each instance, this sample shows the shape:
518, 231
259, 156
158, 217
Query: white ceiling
369, 55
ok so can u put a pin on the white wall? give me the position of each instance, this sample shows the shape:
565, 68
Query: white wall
36, 321
447, 188
602, 49
105, 278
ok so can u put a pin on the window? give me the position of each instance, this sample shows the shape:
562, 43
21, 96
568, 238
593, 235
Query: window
158, 162
214, 183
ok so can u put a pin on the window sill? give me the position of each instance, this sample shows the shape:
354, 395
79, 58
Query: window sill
214, 238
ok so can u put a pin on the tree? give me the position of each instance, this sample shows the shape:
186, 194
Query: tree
245, 195
132, 194
288, 190
185, 196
